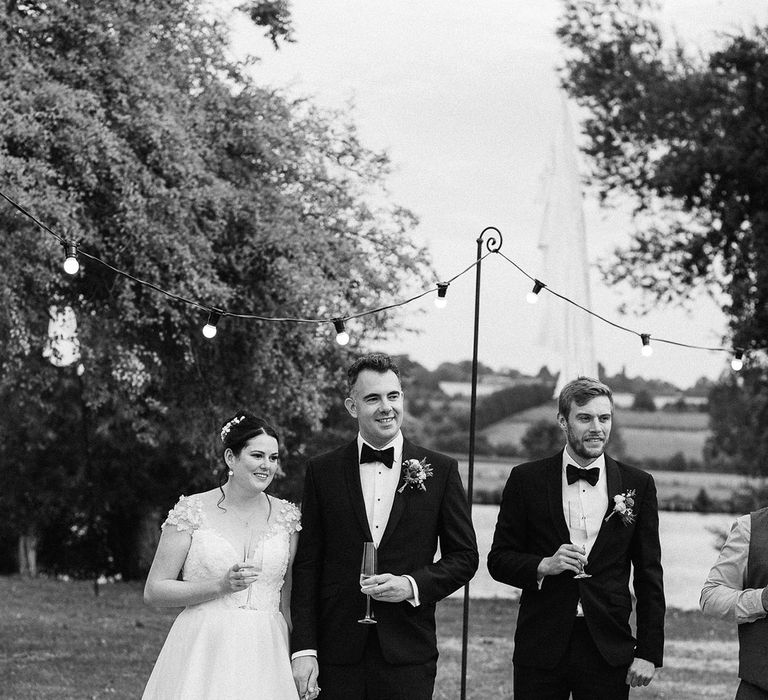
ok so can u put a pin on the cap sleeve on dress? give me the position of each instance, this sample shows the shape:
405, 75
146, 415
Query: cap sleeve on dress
290, 516
186, 515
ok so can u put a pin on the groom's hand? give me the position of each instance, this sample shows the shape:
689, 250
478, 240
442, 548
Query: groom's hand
640, 673
388, 588
566, 558
305, 671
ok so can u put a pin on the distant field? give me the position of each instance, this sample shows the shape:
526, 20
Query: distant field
647, 434
662, 420
491, 474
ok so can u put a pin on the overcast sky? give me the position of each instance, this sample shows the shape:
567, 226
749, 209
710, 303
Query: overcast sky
463, 97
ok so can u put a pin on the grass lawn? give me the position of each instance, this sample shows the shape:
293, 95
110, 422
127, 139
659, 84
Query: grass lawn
58, 640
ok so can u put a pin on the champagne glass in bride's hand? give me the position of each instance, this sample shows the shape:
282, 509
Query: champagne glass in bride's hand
253, 556
367, 570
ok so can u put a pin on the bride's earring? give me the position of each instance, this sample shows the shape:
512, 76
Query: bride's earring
230, 472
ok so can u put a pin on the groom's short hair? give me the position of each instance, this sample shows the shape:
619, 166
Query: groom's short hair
581, 390
376, 362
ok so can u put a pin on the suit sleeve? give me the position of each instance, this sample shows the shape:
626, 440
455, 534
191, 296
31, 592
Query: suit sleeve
508, 560
648, 580
305, 572
458, 545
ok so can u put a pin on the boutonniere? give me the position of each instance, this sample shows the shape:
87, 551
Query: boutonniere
415, 473
623, 503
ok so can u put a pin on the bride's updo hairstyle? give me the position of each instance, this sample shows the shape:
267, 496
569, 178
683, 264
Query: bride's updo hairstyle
241, 427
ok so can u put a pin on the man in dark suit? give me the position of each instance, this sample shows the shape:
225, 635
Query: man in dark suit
406, 499
581, 512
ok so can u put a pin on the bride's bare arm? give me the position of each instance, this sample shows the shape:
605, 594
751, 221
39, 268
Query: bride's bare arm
285, 594
163, 588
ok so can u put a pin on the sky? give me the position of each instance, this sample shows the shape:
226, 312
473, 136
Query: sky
463, 98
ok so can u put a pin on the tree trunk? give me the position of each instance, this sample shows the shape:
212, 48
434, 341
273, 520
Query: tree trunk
28, 553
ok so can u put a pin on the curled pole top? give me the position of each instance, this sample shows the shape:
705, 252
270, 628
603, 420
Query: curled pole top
494, 241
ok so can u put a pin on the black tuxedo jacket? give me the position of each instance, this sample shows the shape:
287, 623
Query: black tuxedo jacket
326, 601
531, 526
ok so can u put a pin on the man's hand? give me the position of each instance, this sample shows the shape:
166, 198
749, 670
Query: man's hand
566, 558
305, 672
640, 673
388, 588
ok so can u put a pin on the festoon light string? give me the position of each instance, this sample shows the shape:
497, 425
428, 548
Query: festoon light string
73, 251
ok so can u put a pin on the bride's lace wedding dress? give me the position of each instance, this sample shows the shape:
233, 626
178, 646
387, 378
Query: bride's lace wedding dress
216, 650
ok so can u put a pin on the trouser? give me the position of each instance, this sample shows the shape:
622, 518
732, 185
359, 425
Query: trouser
376, 679
583, 674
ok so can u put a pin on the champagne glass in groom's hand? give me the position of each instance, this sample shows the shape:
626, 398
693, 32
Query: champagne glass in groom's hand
367, 570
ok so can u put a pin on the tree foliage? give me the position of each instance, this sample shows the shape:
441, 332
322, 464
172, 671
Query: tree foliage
683, 135
127, 126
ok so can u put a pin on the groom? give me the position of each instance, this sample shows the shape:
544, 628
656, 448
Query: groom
406, 499
580, 509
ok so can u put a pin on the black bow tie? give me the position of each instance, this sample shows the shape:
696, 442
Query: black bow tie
386, 457
574, 473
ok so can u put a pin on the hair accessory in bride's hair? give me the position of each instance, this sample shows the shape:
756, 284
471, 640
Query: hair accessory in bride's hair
229, 425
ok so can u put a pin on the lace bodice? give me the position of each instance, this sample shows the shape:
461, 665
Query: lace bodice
211, 554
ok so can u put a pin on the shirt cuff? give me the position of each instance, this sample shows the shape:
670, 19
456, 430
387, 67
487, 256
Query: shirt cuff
415, 600
304, 652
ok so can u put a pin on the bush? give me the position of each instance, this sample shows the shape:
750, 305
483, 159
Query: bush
502, 404
543, 438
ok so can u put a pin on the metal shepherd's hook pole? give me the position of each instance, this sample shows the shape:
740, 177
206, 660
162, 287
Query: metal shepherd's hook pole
494, 245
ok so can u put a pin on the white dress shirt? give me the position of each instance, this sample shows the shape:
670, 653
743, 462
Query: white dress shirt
724, 594
379, 486
584, 505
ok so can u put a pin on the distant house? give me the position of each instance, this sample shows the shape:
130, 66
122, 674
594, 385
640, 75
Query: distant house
486, 384
626, 399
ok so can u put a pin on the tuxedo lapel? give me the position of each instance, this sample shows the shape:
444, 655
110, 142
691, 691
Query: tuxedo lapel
614, 483
555, 496
352, 477
398, 505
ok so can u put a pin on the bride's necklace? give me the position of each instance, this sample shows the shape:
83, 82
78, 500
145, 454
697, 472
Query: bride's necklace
248, 520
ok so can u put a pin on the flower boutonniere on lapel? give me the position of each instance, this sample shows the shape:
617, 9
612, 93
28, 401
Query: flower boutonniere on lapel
623, 503
415, 473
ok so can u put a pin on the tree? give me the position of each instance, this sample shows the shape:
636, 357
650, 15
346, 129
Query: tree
643, 401
683, 136
127, 127
542, 438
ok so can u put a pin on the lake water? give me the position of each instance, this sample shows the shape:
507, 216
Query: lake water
687, 554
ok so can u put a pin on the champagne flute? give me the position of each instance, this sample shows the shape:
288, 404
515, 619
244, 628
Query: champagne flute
253, 557
367, 570
582, 573
576, 525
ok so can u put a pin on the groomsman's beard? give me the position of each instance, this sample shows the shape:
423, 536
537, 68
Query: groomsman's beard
590, 450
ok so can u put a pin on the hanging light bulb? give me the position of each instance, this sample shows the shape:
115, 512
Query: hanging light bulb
646, 350
209, 329
533, 296
71, 264
342, 337
440, 300
738, 360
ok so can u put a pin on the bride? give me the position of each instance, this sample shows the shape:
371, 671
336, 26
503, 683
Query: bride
233, 547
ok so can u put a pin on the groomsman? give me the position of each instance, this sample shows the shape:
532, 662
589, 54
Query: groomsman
737, 589
407, 500
569, 529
